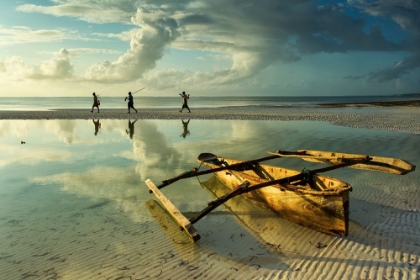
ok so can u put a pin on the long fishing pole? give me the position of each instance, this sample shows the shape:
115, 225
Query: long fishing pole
138, 90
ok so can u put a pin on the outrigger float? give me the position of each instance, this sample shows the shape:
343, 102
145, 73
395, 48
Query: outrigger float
304, 197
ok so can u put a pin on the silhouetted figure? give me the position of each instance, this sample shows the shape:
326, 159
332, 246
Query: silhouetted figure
130, 130
185, 128
130, 102
96, 102
185, 98
97, 126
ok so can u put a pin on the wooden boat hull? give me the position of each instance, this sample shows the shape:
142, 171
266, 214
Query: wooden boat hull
321, 204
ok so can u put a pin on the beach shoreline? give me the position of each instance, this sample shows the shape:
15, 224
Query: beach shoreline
401, 116
411, 103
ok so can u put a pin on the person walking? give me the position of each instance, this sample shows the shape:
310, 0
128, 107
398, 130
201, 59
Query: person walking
130, 102
96, 102
185, 98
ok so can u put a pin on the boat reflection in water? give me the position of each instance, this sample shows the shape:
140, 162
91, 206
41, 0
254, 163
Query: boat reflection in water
188, 250
275, 233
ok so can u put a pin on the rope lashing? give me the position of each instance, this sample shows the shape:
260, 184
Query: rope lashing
306, 174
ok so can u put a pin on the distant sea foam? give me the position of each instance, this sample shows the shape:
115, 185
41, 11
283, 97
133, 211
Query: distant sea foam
51, 103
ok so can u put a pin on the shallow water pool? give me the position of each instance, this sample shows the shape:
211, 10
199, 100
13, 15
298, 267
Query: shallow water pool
73, 203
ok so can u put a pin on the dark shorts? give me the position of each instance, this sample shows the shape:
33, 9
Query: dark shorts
185, 106
130, 104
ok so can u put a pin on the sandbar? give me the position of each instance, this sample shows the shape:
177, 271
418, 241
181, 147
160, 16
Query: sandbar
401, 116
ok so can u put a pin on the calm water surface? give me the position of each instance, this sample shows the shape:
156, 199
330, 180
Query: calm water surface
73, 198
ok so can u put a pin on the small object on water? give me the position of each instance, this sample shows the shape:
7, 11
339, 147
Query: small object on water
22, 142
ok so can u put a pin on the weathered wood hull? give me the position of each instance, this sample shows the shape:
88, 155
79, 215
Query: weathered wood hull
321, 204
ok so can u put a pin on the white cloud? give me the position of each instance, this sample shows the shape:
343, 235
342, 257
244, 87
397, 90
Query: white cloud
123, 36
250, 37
59, 67
14, 68
21, 34
80, 51
146, 48
95, 11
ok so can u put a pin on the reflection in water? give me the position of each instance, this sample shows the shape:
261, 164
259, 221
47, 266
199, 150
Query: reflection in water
130, 130
93, 202
188, 250
264, 224
185, 131
267, 227
97, 126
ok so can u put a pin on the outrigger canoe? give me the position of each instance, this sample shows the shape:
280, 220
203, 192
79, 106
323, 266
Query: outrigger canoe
305, 197
315, 201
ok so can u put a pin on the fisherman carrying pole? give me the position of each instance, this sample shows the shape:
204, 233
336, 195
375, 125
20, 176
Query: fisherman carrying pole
185, 98
130, 98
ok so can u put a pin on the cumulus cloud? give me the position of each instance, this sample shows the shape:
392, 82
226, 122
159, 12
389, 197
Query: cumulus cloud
59, 67
146, 48
255, 37
251, 36
14, 67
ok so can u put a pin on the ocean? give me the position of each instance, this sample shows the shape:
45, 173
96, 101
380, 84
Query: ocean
51, 103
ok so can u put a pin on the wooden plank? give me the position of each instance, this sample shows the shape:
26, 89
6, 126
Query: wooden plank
373, 163
376, 163
181, 220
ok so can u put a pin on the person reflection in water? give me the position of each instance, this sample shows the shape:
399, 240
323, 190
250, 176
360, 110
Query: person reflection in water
185, 128
130, 130
97, 126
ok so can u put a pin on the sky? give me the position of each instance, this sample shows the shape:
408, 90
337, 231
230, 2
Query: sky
209, 47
